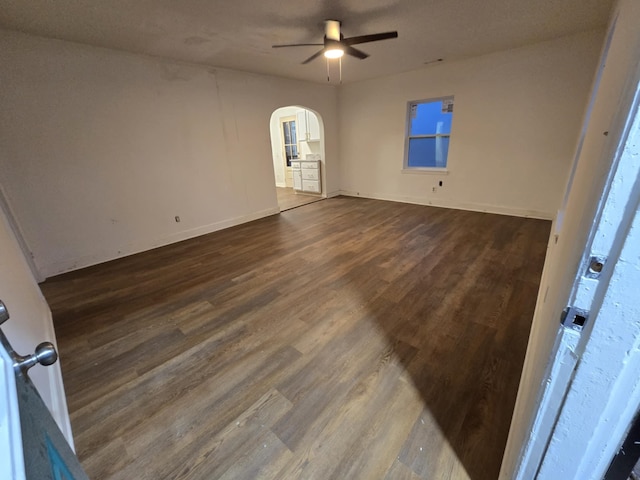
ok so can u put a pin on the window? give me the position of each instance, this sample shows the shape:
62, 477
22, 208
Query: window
290, 139
428, 132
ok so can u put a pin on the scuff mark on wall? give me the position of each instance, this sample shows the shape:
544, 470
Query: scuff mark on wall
173, 72
223, 127
195, 40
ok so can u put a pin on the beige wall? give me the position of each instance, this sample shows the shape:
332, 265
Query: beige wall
516, 118
102, 149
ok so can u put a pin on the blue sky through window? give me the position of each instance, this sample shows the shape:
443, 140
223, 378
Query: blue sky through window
430, 120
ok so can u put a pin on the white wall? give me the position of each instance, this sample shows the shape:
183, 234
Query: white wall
30, 322
102, 149
563, 256
305, 147
516, 117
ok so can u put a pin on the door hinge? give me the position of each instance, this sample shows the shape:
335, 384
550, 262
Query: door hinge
574, 317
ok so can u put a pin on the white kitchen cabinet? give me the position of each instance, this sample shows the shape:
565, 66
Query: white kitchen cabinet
308, 126
296, 175
311, 186
308, 174
313, 127
297, 180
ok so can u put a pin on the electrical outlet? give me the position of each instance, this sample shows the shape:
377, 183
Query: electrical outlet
177, 219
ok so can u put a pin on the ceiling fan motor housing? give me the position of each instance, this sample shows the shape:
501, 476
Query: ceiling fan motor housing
332, 30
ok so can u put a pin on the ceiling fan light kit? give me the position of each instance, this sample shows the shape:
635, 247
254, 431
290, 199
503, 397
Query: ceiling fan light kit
335, 45
334, 53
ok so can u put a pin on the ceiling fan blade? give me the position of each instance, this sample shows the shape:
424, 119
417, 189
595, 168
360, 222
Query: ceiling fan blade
354, 52
313, 57
299, 45
369, 38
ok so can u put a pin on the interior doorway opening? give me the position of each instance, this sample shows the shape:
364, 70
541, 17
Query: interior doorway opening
297, 147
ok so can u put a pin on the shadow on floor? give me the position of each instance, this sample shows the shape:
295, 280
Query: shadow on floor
456, 303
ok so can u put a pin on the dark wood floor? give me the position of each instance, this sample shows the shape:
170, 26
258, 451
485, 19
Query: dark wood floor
288, 198
346, 339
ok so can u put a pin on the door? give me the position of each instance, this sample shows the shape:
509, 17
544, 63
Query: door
290, 146
31, 443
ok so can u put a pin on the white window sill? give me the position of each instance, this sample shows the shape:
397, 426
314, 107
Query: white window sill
425, 171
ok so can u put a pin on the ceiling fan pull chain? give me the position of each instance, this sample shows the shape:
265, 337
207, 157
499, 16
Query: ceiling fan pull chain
340, 60
328, 80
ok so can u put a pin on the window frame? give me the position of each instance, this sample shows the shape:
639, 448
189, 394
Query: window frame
407, 137
287, 120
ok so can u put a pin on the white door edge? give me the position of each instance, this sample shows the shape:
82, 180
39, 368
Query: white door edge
11, 455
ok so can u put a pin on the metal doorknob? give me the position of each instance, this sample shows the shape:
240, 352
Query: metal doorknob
4, 313
45, 355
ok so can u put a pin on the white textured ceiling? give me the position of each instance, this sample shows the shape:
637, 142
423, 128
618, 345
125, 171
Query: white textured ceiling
238, 34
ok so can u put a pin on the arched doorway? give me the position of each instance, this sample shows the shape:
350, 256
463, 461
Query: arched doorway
297, 147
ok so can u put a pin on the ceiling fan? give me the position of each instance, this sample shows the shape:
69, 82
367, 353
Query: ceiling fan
335, 45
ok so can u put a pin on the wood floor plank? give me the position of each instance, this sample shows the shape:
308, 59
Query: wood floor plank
240, 446
347, 338
426, 449
383, 437
113, 459
399, 471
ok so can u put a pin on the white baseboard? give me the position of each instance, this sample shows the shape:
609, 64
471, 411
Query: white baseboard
67, 265
447, 203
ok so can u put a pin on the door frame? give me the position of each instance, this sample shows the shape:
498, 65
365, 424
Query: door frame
32, 322
275, 131
5, 208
